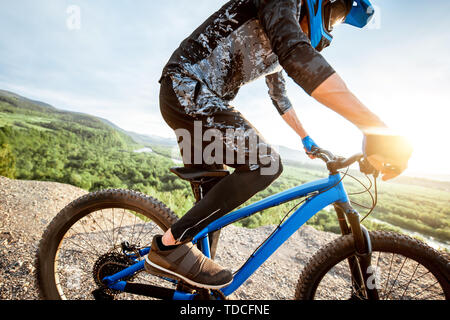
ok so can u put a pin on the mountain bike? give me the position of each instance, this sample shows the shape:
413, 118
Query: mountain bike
95, 246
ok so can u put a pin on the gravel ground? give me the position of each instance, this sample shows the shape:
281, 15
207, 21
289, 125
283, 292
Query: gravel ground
26, 208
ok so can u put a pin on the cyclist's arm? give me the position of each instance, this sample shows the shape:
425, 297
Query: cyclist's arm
290, 117
277, 92
334, 94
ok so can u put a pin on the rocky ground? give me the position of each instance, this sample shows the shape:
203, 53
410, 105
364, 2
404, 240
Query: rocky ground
26, 208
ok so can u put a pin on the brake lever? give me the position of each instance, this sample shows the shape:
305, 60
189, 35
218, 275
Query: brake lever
366, 168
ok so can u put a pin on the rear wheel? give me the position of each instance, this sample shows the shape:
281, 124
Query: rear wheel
88, 240
402, 268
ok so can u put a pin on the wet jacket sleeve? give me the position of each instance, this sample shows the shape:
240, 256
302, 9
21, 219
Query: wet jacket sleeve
277, 92
304, 64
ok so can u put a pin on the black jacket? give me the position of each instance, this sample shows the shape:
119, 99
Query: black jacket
248, 39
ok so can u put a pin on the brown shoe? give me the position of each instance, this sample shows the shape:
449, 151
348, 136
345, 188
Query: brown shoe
187, 263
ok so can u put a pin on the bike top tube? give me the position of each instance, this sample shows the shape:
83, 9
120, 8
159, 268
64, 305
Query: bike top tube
310, 188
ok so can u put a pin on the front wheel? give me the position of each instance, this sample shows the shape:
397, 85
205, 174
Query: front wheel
402, 268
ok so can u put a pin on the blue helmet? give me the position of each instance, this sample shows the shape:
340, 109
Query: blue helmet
324, 14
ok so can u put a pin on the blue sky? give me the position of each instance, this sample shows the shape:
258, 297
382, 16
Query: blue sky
110, 67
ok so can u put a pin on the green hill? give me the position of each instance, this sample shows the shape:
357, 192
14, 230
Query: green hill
40, 142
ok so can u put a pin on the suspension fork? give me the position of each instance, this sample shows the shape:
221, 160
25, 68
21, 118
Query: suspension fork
349, 222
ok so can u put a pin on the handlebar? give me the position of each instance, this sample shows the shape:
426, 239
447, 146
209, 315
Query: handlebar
335, 163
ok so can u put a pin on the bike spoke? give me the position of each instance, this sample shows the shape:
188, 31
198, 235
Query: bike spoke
114, 240
145, 236
81, 247
409, 282
103, 232
420, 292
138, 237
389, 275
132, 232
441, 294
88, 240
106, 228
120, 225
396, 278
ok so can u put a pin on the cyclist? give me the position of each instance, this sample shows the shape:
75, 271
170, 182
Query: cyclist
243, 41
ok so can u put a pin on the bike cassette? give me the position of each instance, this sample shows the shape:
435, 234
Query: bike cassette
109, 264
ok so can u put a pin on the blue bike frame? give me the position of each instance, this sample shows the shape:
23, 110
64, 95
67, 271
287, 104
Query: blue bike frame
320, 193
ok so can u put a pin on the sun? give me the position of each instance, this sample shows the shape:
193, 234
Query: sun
428, 132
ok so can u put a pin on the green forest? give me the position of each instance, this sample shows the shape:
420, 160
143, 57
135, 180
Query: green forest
39, 142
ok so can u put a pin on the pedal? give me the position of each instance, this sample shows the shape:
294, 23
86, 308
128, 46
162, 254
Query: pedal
101, 295
184, 287
219, 294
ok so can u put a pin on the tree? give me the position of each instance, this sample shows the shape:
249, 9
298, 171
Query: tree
7, 161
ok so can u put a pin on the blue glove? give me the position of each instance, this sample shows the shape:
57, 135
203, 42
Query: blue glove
309, 143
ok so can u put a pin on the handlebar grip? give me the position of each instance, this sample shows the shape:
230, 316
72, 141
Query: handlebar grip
335, 165
319, 153
323, 154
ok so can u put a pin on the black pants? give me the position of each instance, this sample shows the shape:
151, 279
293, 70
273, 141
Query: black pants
253, 173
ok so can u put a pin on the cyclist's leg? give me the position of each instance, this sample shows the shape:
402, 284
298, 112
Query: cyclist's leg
256, 164
226, 195
253, 173
184, 261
